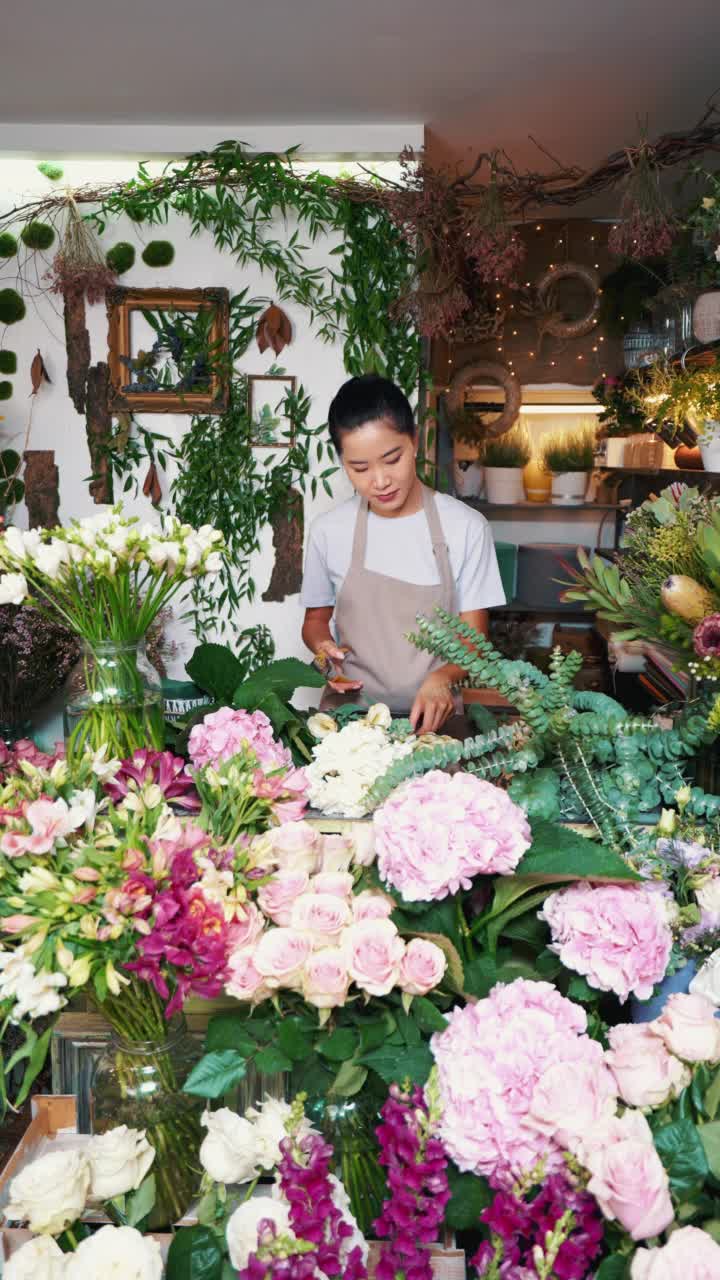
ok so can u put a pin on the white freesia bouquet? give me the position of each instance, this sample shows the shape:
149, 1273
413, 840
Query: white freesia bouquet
346, 762
107, 578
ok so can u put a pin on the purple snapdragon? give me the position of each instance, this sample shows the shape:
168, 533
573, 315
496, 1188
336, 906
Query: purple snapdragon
561, 1220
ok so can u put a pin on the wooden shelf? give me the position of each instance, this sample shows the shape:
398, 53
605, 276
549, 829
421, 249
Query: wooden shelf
480, 505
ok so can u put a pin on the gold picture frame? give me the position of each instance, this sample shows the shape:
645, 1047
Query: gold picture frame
267, 427
147, 393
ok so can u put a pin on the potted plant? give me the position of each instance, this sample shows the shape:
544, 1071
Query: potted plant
693, 395
570, 456
504, 458
467, 432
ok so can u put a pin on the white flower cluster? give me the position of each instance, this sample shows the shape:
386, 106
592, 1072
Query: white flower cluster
104, 545
112, 1253
36, 994
236, 1148
347, 762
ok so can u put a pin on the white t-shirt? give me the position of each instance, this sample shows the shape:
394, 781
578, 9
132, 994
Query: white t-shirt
401, 547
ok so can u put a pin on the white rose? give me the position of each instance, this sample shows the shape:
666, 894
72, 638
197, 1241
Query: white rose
119, 1160
39, 1259
707, 980
242, 1229
364, 840
378, 715
708, 895
269, 1126
115, 1253
50, 1193
13, 588
320, 725
229, 1153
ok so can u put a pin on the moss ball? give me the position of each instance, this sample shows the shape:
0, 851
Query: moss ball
8, 362
8, 245
37, 235
12, 307
121, 257
135, 211
159, 253
6, 390
52, 171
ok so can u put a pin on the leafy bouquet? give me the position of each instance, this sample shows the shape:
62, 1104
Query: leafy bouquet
106, 578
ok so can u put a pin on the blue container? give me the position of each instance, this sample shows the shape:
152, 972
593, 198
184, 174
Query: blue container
648, 1010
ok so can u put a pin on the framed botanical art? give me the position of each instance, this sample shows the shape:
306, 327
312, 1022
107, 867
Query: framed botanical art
267, 395
168, 350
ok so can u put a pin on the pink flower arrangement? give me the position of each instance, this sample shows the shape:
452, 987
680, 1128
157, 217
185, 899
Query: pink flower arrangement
224, 733
436, 832
690, 1254
627, 1177
519, 1080
155, 768
617, 936
646, 1073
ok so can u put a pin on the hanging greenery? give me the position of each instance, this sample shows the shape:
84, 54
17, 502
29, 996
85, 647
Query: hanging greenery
8, 245
12, 307
158, 253
121, 257
37, 235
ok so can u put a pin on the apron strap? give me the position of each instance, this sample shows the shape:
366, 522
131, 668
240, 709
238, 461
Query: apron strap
439, 544
357, 559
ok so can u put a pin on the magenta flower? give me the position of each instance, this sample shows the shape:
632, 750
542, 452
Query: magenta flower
161, 769
519, 1226
706, 637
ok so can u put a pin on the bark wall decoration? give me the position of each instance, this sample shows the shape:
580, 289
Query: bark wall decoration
98, 422
287, 526
77, 342
42, 495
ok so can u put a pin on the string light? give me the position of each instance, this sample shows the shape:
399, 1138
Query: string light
538, 227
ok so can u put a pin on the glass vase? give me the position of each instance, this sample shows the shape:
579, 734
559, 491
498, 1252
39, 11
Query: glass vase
113, 699
139, 1083
349, 1124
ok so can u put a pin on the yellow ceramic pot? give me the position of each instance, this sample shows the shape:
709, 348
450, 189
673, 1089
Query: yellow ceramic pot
537, 481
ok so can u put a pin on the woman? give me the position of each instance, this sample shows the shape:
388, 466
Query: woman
393, 551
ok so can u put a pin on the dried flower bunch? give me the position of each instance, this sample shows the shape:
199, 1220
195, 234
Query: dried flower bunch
35, 657
79, 268
647, 227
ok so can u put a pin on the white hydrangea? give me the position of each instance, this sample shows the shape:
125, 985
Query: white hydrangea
346, 764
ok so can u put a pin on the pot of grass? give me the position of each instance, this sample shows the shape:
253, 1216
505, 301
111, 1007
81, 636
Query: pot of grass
570, 456
504, 459
467, 433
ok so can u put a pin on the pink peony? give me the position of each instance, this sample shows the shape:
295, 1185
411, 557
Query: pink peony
646, 1074
689, 1028
224, 733
322, 915
326, 978
434, 833
276, 898
373, 950
627, 1176
490, 1059
280, 956
372, 904
422, 967
244, 981
617, 936
690, 1254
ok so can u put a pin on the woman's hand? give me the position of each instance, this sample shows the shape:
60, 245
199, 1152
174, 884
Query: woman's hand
433, 704
337, 654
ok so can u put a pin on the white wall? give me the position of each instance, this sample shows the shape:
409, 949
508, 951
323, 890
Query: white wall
56, 425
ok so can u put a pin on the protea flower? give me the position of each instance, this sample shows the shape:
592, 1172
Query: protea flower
706, 637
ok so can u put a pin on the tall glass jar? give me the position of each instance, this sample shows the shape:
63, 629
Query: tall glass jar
349, 1124
113, 699
139, 1083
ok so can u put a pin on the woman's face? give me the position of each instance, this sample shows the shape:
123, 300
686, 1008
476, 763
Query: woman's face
380, 463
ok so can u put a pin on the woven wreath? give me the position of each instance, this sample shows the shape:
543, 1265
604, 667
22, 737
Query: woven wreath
552, 322
500, 373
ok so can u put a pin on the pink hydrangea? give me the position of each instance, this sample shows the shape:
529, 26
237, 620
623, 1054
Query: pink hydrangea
224, 733
617, 936
434, 833
499, 1061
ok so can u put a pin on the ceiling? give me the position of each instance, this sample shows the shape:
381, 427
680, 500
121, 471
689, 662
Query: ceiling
577, 74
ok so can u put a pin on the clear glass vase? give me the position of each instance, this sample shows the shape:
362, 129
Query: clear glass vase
349, 1124
139, 1083
113, 699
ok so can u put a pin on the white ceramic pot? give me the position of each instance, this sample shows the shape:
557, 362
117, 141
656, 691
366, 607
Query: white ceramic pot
706, 316
614, 451
710, 446
568, 488
504, 484
468, 476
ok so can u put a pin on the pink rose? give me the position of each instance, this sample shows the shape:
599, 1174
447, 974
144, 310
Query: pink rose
326, 978
244, 981
645, 1073
568, 1101
363, 839
374, 950
337, 853
690, 1254
689, 1028
339, 883
627, 1176
372, 904
276, 898
280, 956
246, 927
323, 915
422, 967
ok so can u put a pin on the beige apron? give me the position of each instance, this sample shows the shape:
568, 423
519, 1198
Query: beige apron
373, 614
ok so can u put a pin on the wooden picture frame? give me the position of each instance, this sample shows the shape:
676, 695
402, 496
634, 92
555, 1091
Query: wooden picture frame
121, 303
257, 404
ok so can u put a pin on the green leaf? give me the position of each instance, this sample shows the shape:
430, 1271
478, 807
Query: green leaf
495, 927
408, 1028
580, 989
427, 1015
139, 1203
35, 1063
349, 1080
340, 1045
282, 678
710, 1138
613, 1268
195, 1253
469, 1196
229, 1031
271, 1059
712, 1097
683, 1155
293, 1040
480, 975
216, 670
216, 1073
395, 1063
374, 1033
558, 853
